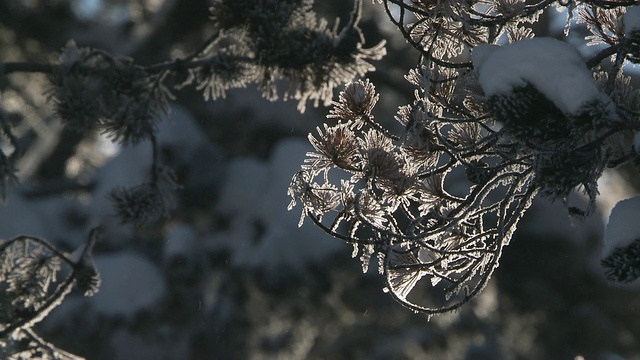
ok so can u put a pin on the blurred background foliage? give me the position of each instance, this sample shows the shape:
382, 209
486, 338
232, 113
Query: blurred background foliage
236, 278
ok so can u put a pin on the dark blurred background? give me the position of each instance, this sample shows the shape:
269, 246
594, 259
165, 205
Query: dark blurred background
229, 275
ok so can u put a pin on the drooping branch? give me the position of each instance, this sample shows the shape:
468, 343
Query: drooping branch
472, 126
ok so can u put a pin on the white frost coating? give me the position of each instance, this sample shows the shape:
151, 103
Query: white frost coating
553, 67
130, 283
631, 19
623, 227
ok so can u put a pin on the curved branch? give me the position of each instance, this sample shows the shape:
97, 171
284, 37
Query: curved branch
599, 57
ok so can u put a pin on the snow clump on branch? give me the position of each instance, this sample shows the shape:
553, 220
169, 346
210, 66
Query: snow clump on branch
553, 67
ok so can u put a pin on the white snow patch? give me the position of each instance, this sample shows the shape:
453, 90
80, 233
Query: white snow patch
87, 9
623, 227
262, 233
246, 179
181, 242
612, 188
181, 131
130, 283
631, 19
481, 53
553, 67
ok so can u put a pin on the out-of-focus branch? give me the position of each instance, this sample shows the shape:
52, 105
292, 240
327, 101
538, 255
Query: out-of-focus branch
13, 67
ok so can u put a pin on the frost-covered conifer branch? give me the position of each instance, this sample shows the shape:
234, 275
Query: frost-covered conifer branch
33, 346
506, 123
31, 289
248, 47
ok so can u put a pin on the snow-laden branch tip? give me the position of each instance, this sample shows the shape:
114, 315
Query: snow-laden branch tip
553, 67
623, 227
631, 19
